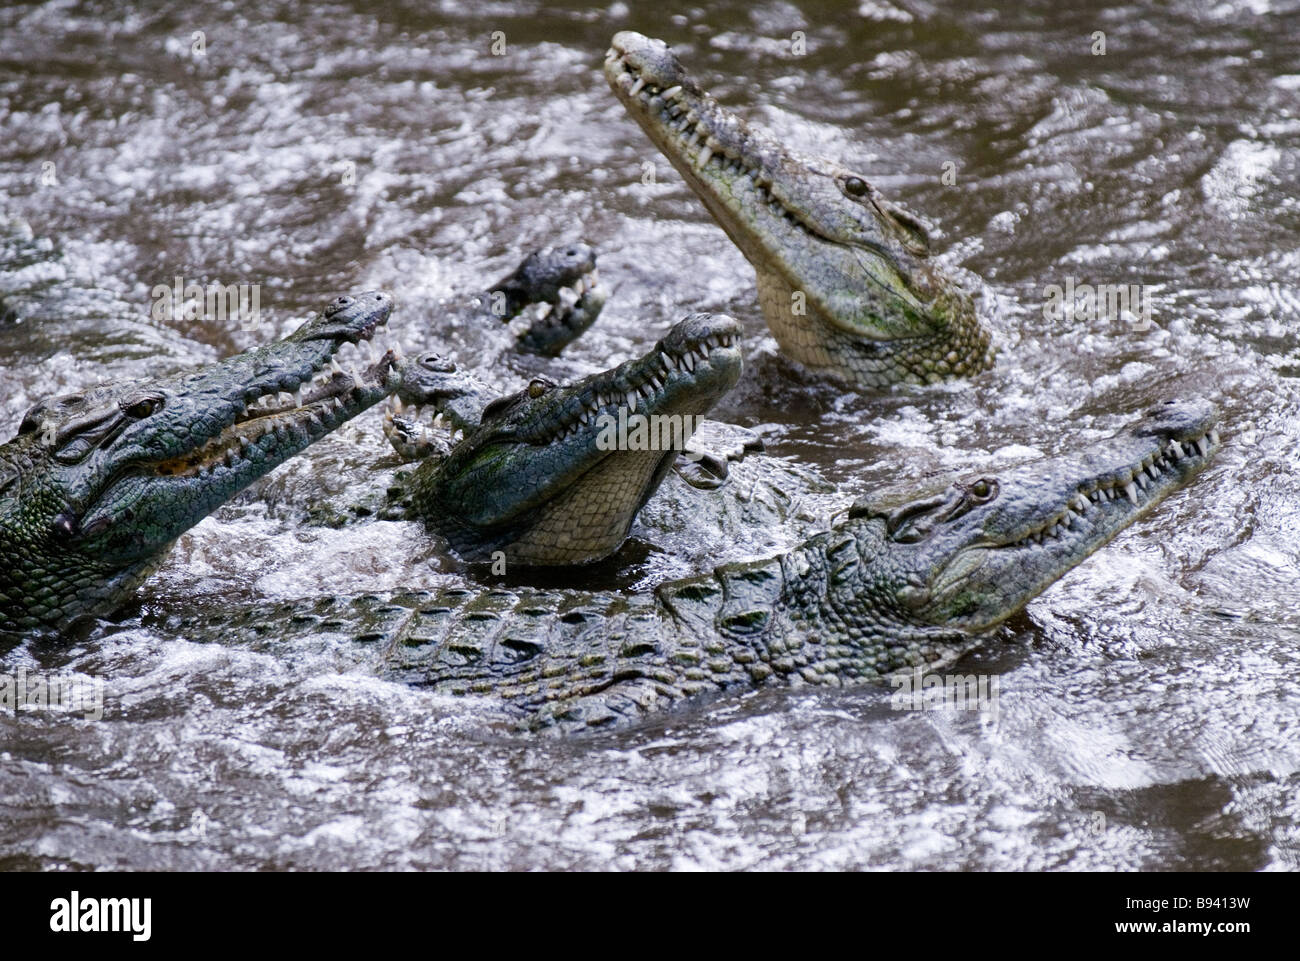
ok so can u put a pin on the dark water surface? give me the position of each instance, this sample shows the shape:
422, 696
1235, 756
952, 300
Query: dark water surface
1149, 711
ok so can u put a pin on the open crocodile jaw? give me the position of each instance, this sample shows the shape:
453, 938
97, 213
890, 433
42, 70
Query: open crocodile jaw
1098, 493
586, 482
844, 276
276, 422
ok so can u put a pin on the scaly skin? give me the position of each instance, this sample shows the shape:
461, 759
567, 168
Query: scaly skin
893, 588
878, 311
545, 478
97, 486
548, 301
562, 279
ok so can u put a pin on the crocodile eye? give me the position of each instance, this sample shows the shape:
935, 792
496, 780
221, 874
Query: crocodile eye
142, 408
856, 187
437, 363
983, 490
537, 388
336, 305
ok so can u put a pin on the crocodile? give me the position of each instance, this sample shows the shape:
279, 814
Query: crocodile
555, 474
563, 282
903, 583
550, 299
846, 280
97, 485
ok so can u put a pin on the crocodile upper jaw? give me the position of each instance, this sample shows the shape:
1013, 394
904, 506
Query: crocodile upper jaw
845, 279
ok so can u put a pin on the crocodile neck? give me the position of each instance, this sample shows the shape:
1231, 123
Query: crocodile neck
961, 348
574, 661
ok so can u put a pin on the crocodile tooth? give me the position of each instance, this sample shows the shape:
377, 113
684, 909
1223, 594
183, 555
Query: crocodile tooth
1131, 490
1201, 446
632, 397
672, 92
1080, 503
1176, 449
636, 87
688, 360
585, 416
706, 152
1153, 472
1214, 438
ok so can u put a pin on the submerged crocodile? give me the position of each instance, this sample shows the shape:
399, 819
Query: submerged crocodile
845, 278
556, 474
896, 586
96, 486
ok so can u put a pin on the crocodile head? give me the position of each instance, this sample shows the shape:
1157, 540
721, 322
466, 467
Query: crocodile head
97, 485
845, 278
556, 475
564, 281
972, 555
456, 396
